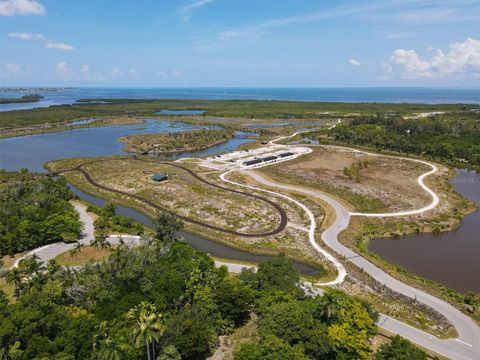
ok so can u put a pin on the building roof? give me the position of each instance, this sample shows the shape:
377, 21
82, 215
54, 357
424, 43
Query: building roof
252, 162
159, 177
268, 158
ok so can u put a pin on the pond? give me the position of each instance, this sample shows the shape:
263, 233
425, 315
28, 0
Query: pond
451, 258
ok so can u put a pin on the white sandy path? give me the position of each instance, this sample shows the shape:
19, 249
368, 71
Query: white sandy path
335, 228
420, 180
51, 251
467, 345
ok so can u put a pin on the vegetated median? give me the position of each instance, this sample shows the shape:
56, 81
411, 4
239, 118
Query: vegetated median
175, 142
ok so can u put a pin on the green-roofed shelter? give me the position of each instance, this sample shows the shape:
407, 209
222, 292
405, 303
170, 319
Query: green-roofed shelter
159, 177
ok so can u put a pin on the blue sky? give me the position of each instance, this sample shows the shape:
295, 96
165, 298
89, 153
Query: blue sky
291, 43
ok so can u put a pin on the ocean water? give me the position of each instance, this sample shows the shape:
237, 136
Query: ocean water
381, 95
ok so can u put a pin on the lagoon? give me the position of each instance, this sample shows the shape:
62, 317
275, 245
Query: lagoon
451, 258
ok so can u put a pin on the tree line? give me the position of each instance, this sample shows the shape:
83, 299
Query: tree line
453, 137
34, 211
166, 300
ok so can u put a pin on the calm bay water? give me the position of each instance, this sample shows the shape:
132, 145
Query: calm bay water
382, 95
451, 258
33, 151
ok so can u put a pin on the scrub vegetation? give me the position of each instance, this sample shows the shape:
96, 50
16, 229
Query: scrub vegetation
214, 108
181, 193
365, 183
187, 196
174, 142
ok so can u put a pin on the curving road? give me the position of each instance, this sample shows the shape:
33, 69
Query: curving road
465, 346
335, 230
420, 180
47, 252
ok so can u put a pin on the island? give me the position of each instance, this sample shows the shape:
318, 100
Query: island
23, 99
175, 142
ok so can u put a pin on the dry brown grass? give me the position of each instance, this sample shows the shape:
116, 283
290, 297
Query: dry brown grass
384, 184
85, 255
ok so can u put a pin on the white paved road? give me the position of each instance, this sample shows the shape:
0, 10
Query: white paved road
466, 346
51, 251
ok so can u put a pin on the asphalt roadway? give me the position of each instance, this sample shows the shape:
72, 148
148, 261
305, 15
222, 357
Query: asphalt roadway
466, 346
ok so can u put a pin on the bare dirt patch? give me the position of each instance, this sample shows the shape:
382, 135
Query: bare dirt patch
85, 255
368, 183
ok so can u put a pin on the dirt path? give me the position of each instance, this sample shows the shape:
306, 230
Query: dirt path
283, 215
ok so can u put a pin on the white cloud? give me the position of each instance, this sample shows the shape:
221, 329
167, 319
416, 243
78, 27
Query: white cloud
177, 73
410, 64
59, 45
194, 5
21, 7
64, 72
133, 72
462, 60
88, 75
354, 62
229, 34
15, 71
49, 44
26, 36
116, 73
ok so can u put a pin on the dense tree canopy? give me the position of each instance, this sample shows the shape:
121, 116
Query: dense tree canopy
109, 222
34, 211
400, 349
452, 136
166, 300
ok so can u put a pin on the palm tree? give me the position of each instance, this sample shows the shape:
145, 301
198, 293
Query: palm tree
14, 276
329, 306
101, 242
76, 250
113, 349
108, 347
148, 326
35, 264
